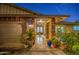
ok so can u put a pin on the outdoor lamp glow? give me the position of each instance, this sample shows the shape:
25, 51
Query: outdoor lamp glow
40, 21
31, 26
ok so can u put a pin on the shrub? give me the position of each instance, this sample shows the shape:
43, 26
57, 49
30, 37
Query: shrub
75, 49
70, 40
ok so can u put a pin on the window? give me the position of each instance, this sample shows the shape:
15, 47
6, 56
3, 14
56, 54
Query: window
39, 29
59, 29
76, 28
62, 29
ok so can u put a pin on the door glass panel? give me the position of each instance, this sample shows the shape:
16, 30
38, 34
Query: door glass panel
41, 30
39, 39
37, 29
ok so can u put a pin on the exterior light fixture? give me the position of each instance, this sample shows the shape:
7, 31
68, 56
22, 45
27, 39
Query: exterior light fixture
31, 26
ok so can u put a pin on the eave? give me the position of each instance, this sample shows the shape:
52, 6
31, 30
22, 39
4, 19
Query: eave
28, 15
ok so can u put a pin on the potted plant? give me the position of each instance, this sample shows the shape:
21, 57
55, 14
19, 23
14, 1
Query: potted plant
49, 43
63, 46
55, 43
28, 38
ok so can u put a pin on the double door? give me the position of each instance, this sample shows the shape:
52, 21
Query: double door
39, 34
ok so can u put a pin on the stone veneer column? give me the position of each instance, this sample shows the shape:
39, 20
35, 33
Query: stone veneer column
53, 27
23, 27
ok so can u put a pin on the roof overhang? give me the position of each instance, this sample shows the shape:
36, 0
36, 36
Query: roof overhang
67, 23
32, 14
28, 15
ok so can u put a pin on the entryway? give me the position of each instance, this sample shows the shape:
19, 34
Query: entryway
42, 31
39, 34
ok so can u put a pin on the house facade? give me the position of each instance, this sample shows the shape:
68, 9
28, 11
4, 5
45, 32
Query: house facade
15, 21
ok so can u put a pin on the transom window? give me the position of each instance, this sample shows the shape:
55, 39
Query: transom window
59, 29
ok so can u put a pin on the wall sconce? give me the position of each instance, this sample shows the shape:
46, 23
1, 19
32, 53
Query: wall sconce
31, 26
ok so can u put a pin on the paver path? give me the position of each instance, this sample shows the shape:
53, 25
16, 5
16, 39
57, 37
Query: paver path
41, 50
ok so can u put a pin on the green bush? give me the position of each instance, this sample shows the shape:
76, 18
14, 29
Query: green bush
71, 41
75, 49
